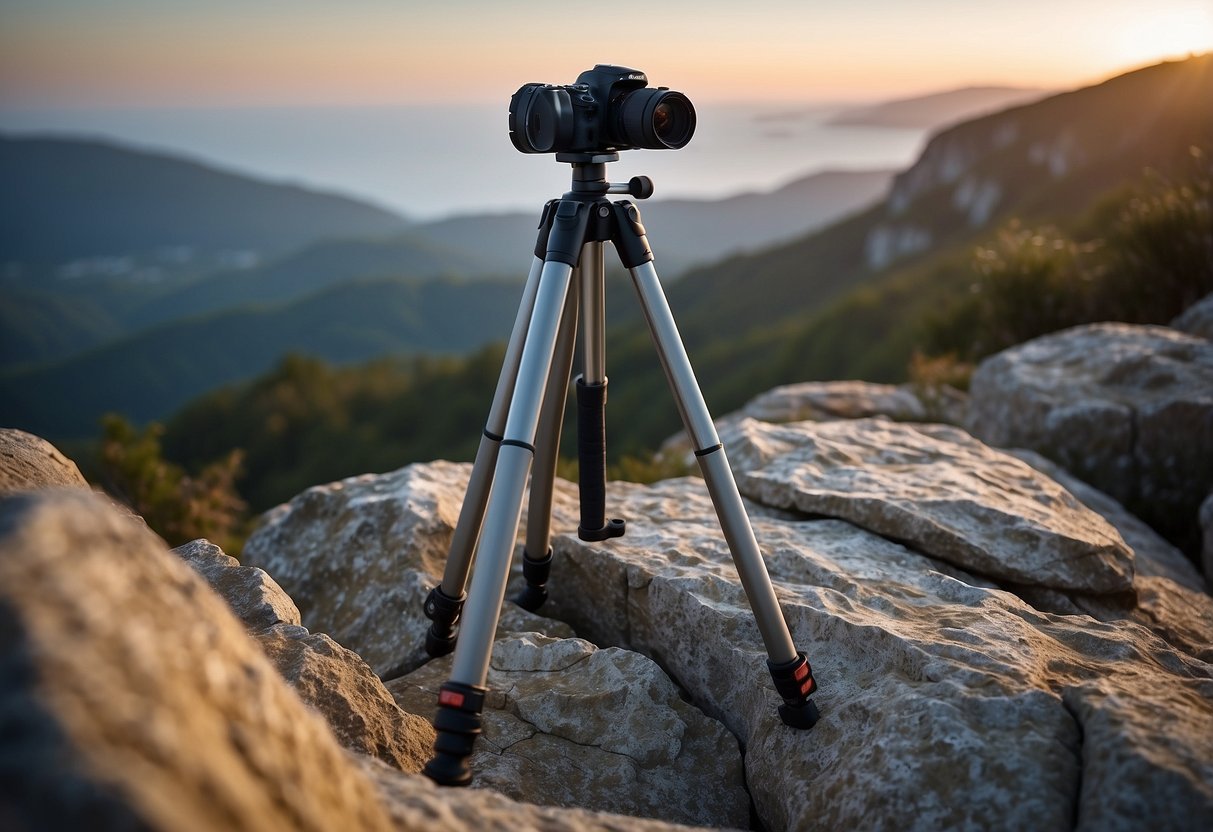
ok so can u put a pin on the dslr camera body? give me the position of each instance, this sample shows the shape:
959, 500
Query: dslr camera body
609, 108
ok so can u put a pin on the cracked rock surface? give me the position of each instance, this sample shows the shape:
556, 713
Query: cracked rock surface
567, 724
947, 702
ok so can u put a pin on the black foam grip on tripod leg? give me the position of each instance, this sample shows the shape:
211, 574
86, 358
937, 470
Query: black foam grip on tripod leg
591, 453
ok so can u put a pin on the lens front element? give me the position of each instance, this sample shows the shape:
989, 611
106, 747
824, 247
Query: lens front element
656, 119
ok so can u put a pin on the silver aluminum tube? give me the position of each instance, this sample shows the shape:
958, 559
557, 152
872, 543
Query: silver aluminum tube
673, 356
593, 314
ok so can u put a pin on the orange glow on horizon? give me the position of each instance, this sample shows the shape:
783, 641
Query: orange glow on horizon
370, 52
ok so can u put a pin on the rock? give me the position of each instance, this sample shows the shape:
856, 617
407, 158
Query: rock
829, 400
131, 698
1128, 409
416, 803
30, 463
568, 724
945, 703
940, 490
918, 670
1152, 555
359, 557
254, 596
818, 401
356, 705
333, 680
1197, 319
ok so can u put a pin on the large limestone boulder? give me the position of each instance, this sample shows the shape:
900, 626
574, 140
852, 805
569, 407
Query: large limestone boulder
359, 557
946, 702
567, 724
1128, 409
131, 698
30, 463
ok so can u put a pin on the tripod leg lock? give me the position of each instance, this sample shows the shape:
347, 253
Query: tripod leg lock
458, 724
795, 683
536, 574
444, 612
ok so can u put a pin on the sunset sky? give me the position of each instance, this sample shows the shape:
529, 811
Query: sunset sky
119, 53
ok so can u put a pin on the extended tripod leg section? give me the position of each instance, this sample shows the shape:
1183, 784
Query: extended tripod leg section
461, 699
790, 670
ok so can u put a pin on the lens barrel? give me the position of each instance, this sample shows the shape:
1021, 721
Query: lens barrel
655, 119
541, 118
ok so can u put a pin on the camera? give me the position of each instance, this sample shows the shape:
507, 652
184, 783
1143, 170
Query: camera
609, 108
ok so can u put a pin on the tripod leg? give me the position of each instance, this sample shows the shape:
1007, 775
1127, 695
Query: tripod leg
445, 602
537, 553
789, 668
461, 699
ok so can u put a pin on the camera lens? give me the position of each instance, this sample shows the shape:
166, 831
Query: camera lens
541, 118
656, 119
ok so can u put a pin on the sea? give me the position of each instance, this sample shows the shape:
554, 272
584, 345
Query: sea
426, 162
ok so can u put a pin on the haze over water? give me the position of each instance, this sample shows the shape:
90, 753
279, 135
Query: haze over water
433, 160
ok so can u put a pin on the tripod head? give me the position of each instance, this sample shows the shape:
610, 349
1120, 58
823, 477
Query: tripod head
590, 179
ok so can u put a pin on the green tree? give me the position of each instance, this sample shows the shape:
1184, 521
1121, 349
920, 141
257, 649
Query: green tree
174, 504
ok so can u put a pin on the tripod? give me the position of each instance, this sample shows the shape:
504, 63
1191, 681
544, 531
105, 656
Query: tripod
524, 426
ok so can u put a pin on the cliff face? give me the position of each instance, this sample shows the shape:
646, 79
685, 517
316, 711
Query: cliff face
1046, 158
998, 644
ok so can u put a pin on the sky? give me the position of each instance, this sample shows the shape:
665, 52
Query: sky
157, 53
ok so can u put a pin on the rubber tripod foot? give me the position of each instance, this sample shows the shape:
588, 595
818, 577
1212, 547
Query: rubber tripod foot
531, 597
437, 645
803, 716
456, 726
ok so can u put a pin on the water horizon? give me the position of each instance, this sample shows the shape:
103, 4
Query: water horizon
428, 162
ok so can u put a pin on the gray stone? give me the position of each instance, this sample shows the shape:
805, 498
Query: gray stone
820, 401
918, 671
1197, 319
131, 698
254, 596
1152, 555
940, 490
356, 705
567, 724
30, 463
945, 703
1128, 409
415, 803
359, 557
829, 400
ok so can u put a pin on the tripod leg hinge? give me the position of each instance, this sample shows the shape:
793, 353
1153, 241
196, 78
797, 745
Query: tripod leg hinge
444, 612
457, 723
795, 683
536, 574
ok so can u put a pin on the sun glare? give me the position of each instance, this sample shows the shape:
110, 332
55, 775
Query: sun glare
1166, 33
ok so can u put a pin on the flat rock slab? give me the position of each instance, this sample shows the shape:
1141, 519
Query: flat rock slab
1128, 409
945, 704
940, 491
567, 724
